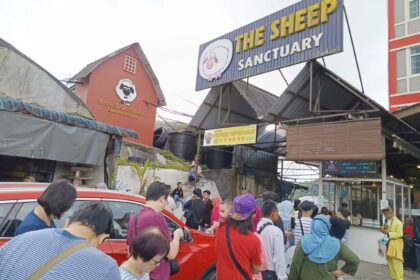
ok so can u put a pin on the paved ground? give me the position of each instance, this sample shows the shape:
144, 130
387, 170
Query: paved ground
369, 271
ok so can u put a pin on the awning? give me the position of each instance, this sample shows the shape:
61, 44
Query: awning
13, 105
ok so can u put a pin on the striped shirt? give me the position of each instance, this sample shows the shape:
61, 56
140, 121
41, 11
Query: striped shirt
24, 254
127, 275
306, 225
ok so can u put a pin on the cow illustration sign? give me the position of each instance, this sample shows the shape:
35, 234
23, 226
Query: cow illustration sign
126, 91
300, 32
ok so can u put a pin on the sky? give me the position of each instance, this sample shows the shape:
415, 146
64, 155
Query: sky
63, 36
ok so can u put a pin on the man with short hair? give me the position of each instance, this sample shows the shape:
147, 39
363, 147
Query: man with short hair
303, 224
194, 209
205, 223
178, 194
87, 228
272, 237
150, 216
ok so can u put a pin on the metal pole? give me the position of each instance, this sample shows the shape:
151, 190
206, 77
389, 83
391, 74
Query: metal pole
310, 85
197, 159
284, 78
354, 50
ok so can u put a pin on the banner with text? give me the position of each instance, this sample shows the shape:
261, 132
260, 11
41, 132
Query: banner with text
228, 136
298, 33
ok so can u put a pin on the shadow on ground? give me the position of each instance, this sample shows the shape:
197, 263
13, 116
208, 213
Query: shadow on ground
370, 271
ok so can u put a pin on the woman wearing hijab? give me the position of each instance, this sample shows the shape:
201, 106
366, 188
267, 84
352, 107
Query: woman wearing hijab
286, 214
317, 256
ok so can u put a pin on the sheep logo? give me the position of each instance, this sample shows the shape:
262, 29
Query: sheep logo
126, 90
215, 59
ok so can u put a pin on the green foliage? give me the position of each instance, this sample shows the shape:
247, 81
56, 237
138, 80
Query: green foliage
142, 170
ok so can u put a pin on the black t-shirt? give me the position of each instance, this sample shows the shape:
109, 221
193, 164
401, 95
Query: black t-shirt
178, 192
207, 213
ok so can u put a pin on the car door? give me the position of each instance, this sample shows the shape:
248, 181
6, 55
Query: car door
122, 211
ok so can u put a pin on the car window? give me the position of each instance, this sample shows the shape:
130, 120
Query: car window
122, 211
60, 223
25, 209
4, 221
16, 215
171, 224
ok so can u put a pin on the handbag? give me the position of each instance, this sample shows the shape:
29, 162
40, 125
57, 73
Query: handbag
235, 261
173, 264
269, 275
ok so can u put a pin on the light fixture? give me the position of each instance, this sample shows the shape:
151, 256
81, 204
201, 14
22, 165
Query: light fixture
411, 186
402, 180
391, 176
418, 166
394, 145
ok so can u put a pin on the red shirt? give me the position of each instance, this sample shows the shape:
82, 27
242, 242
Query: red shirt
147, 217
409, 230
247, 250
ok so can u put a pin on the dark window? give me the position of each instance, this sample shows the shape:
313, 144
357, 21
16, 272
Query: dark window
365, 200
122, 211
414, 8
15, 169
5, 222
171, 224
16, 215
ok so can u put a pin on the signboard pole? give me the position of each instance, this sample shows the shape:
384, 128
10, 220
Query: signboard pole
197, 155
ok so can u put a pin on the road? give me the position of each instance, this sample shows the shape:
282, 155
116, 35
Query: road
369, 271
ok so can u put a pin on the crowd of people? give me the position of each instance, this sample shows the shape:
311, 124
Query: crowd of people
269, 240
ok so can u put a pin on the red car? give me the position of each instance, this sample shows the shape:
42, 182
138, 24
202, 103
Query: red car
196, 255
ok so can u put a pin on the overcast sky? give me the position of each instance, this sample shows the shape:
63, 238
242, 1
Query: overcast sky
63, 36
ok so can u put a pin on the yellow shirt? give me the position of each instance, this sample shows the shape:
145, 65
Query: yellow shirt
396, 243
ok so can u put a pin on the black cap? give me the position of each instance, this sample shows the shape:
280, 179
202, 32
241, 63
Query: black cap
307, 205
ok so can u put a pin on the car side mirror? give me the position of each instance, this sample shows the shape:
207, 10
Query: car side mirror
187, 235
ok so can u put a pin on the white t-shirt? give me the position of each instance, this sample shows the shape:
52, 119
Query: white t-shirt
127, 275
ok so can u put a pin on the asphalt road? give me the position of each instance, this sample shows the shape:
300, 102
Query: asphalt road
369, 271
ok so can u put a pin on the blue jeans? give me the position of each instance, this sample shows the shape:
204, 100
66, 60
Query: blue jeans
176, 198
417, 250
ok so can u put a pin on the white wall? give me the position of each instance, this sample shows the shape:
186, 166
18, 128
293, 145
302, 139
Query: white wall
363, 241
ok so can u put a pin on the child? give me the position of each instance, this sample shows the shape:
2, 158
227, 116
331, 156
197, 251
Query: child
223, 215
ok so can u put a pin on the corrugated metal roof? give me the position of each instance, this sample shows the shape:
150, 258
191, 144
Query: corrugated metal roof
13, 105
92, 66
79, 106
293, 103
247, 103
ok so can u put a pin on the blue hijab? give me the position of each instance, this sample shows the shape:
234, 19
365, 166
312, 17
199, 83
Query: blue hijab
319, 245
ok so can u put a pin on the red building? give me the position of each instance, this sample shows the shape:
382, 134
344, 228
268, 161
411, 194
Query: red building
403, 53
121, 89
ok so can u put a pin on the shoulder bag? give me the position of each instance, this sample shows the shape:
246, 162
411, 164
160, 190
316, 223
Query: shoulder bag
173, 264
55, 260
235, 261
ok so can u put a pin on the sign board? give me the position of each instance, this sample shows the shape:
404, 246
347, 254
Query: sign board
349, 140
237, 135
300, 32
350, 168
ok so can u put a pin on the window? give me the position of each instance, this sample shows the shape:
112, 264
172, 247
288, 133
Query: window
415, 60
74, 207
414, 8
122, 211
15, 217
130, 64
4, 222
365, 200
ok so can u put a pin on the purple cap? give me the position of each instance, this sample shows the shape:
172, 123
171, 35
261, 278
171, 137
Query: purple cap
242, 207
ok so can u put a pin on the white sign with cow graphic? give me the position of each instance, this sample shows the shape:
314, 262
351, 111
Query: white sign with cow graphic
126, 90
215, 59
